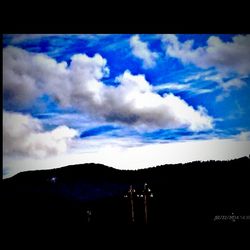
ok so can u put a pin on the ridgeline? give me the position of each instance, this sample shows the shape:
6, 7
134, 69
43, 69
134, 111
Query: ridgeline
94, 194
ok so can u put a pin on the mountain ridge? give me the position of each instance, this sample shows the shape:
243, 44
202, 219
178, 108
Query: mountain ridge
92, 164
194, 192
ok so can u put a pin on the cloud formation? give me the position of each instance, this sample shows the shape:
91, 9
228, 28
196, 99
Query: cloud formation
226, 85
230, 60
175, 86
24, 135
133, 102
225, 56
27, 75
140, 49
243, 136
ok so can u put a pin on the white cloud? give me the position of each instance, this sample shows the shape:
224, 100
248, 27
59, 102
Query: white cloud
225, 56
141, 107
228, 86
202, 91
215, 77
135, 157
198, 76
132, 102
175, 86
243, 136
182, 87
140, 49
26, 75
219, 78
233, 83
24, 135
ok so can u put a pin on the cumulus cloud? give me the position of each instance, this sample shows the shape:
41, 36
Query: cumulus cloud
243, 136
140, 49
132, 102
225, 56
229, 59
26, 75
24, 135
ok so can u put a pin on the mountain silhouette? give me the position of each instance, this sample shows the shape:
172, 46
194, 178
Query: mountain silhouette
94, 194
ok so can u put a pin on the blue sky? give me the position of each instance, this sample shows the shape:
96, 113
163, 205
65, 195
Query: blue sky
86, 97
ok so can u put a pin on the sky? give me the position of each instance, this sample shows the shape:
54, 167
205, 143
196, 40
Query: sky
129, 101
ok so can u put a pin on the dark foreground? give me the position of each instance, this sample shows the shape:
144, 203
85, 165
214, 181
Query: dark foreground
207, 193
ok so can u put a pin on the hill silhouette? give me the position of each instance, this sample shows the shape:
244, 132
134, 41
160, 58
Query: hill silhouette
93, 194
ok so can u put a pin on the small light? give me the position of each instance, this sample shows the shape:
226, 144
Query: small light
53, 179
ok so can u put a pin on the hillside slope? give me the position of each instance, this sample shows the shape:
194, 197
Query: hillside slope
195, 192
